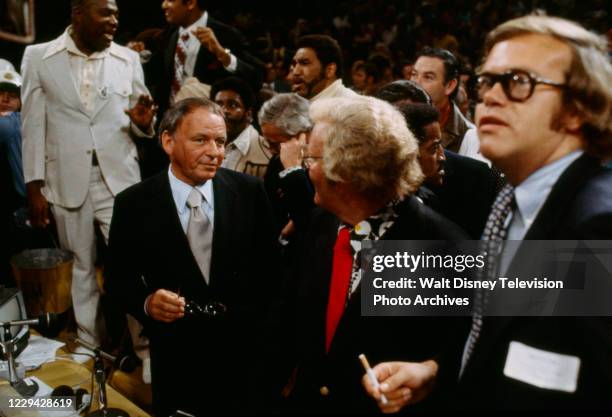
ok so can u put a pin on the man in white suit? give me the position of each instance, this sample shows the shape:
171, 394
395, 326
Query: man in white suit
77, 150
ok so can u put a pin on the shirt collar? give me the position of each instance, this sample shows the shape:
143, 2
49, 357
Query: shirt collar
72, 48
243, 141
456, 124
181, 190
329, 90
201, 22
66, 43
532, 193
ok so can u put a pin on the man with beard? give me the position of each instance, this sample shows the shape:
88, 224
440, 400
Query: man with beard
316, 69
78, 151
246, 150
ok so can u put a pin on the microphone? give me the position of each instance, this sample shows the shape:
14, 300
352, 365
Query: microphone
45, 321
123, 362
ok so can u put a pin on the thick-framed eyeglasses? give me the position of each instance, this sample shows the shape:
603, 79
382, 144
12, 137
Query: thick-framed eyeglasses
308, 161
518, 85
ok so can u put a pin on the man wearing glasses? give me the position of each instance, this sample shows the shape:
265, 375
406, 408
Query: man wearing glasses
543, 118
363, 163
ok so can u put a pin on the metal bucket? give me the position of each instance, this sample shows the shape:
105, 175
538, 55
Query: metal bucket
45, 278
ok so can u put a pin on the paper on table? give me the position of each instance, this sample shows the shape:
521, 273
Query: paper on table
39, 350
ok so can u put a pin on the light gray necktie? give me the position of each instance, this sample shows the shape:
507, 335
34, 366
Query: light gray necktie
199, 233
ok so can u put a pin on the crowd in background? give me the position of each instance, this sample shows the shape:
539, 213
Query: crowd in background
203, 87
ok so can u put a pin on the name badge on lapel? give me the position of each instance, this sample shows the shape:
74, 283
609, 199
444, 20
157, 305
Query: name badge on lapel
543, 369
103, 92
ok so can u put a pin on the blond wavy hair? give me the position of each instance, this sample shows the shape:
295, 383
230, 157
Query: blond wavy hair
589, 78
368, 146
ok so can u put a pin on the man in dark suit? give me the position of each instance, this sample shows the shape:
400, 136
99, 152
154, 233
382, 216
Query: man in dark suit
467, 188
544, 119
182, 239
362, 161
212, 51
194, 45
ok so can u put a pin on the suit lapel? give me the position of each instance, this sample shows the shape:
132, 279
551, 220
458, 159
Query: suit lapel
225, 212
59, 67
169, 53
548, 220
547, 225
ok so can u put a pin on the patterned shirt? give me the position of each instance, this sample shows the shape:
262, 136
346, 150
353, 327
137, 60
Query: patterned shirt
372, 228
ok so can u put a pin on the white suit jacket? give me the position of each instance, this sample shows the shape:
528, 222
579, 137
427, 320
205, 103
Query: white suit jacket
59, 134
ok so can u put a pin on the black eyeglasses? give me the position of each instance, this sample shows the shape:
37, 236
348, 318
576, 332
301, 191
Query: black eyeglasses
517, 85
212, 309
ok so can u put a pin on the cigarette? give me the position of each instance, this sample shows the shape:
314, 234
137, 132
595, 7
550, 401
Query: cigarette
372, 376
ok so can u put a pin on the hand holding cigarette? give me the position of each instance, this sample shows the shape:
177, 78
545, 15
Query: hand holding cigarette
400, 383
372, 377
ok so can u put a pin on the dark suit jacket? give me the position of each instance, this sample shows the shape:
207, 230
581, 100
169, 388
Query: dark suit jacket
208, 69
196, 362
380, 338
578, 207
467, 193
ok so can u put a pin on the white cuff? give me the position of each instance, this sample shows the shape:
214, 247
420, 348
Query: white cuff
288, 171
233, 65
145, 305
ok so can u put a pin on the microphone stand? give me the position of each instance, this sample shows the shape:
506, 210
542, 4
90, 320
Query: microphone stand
100, 377
8, 346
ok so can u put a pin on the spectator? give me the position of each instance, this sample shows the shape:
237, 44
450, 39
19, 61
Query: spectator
362, 161
317, 69
246, 150
77, 151
437, 71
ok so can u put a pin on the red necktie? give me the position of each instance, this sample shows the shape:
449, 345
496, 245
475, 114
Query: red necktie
180, 56
338, 288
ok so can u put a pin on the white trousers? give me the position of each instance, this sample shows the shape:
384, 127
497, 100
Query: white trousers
76, 231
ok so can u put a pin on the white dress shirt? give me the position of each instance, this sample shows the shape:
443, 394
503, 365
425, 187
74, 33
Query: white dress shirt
180, 192
87, 73
193, 45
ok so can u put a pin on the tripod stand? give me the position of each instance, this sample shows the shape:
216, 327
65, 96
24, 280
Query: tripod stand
100, 377
8, 348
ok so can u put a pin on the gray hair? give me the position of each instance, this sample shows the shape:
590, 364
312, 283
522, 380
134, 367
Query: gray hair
288, 112
174, 115
368, 145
